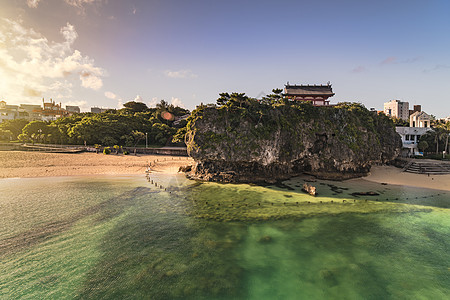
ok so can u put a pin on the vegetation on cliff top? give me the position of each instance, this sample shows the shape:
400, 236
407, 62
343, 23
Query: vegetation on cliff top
276, 111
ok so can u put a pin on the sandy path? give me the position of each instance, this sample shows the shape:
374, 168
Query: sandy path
33, 164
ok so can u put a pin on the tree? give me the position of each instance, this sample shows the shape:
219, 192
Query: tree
36, 130
398, 122
5, 135
423, 145
136, 106
108, 140
138, 136
14, 126
445, 128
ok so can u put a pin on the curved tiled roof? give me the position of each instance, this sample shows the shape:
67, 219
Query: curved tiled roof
308, 90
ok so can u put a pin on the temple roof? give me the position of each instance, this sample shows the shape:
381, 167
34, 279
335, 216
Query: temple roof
308, 90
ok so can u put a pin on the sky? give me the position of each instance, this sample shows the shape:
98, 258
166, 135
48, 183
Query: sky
107, 52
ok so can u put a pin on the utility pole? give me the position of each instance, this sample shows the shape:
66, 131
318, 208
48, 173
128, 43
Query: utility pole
146, 140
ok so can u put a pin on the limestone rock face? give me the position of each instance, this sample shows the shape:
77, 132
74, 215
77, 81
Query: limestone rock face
266, 143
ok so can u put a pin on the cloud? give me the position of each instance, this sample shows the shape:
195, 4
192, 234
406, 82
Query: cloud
120, 104
31, 65
437, 68
75, 3
90, 80
110, 95
81, 3
180, 74
389, 60
177, 102
394, 60
33, 3
153, 102
138, 99
359, 69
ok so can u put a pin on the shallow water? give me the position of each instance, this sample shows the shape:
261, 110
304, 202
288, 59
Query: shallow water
123, 237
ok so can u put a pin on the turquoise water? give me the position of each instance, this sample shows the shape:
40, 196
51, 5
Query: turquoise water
110, 237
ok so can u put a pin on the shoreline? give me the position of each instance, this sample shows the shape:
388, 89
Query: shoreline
18, 164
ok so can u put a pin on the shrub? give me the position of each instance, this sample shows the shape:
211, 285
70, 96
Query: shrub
106, 150
125, 152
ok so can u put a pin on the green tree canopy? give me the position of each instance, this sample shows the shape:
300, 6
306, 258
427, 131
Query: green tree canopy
136, 106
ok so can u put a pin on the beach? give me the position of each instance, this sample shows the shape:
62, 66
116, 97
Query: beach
34, 164
394, 175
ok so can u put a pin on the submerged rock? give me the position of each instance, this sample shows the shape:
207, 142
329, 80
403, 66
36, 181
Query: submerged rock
265, 239
259, 142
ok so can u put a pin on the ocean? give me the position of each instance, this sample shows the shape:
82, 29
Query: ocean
165, 237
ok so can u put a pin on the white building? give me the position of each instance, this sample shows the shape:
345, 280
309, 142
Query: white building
8, 112
420, 119
410, 138
73, 109
397, 108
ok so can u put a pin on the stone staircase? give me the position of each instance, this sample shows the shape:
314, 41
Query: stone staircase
426, 167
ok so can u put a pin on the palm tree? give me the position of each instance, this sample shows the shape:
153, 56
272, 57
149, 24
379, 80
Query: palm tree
445, 132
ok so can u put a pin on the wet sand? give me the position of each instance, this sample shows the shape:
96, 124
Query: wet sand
34, 164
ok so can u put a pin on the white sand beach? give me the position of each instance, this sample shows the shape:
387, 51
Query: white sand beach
34, 164
393, 175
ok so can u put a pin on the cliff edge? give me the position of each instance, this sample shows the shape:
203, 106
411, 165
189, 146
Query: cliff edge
246, 140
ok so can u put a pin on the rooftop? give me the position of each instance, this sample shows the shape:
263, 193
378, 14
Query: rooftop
306, 90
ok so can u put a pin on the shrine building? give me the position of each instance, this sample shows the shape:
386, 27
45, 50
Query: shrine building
317, 94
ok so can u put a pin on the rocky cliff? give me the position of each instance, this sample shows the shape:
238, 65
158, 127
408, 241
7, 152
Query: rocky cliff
253, 141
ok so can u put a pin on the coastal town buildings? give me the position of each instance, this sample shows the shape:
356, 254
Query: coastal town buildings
317, 94
98, 110
49, 111
397, 109
73, 109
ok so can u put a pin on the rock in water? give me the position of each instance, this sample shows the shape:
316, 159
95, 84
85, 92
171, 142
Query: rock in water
253, 141
309, 189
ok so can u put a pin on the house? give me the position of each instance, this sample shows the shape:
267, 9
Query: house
317, 94
419, 124
32, 112
8, 112
410, 139
52, 111
98, 110
420, 119
397, 109
73, 109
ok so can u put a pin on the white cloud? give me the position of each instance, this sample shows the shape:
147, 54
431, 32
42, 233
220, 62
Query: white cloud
180, 74
177, 102
120, 104
33, 3
138, 99
31, 66
153, 102
110, 95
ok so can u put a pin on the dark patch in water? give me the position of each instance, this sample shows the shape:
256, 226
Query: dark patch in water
107, 209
